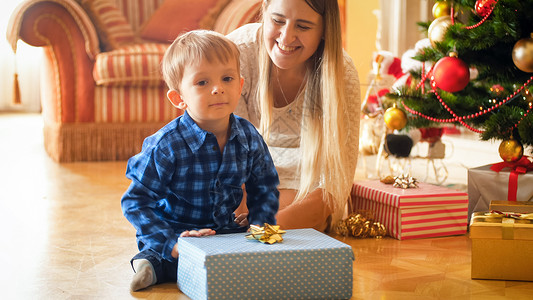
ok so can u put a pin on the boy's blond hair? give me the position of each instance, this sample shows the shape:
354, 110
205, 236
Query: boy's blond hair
192, 47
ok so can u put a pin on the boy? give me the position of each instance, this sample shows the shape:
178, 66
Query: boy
188, 178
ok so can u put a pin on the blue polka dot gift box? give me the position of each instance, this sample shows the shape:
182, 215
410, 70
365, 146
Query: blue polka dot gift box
307, 264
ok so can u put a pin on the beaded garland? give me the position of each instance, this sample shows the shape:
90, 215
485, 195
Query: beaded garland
460, 119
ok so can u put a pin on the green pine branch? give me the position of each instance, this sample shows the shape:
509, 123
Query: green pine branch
488, 49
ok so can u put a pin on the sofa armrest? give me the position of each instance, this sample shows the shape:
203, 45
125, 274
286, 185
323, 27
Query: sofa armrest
27, 10
70, 43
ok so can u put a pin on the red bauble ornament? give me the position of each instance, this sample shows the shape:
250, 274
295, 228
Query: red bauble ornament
483, 7
451, 74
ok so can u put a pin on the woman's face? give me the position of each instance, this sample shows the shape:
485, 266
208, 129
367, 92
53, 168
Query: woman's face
292, 32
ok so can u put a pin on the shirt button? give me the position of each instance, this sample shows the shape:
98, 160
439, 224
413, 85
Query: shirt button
214, 148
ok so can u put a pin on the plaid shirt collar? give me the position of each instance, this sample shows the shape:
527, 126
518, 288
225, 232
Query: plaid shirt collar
195, 136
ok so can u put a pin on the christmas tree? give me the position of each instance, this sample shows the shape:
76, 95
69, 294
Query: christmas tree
477, 73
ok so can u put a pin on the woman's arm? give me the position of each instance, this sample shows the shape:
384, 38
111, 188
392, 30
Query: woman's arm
245, 38
353, 97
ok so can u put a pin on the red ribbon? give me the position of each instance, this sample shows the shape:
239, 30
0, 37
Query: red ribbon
521, 166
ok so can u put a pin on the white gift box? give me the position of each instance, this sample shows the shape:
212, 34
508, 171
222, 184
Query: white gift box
485, 185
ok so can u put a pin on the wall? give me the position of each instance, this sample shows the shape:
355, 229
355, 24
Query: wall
398, 30
26, 62
361, 29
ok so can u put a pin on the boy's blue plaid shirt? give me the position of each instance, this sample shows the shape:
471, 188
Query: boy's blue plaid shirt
181, 181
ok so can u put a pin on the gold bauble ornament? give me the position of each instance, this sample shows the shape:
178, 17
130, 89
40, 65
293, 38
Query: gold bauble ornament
395, 118
438, 28
511, 150
523, 54
440, 9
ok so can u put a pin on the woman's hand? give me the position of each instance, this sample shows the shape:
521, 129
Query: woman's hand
242, 220
196, 233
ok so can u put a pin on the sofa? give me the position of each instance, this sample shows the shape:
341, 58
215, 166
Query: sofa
102, 91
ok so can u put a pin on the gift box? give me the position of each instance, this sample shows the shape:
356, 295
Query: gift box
502, 246
426, 211
307, 264
512, 206
485, 185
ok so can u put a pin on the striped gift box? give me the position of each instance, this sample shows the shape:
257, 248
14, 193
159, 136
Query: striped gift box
427, 211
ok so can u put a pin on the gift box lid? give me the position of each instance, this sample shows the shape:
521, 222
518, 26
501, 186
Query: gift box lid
494, 225
425, 195
296, 239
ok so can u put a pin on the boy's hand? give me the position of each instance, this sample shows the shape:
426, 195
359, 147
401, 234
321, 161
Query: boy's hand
201, 232
242, 220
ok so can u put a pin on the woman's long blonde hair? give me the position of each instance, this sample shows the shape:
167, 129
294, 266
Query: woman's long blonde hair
323, 138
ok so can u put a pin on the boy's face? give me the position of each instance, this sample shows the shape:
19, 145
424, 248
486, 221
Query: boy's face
209, 91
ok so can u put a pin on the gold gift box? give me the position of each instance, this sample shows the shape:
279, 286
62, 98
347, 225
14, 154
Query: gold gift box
502, 246
521, 207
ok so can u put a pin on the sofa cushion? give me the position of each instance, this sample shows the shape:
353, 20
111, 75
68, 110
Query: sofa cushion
236, 14
137, 12
209, 19
113, 29
174, 17
132, 65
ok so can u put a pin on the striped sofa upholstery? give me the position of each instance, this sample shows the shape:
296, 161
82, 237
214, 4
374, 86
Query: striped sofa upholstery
98, 103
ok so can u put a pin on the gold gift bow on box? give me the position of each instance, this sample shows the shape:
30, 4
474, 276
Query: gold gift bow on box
268, 234
508, 219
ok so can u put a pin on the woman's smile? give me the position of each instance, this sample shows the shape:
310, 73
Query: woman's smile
286, 48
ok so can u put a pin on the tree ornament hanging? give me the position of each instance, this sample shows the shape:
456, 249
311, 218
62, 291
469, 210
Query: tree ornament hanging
511, 150
395, 118
528, 97
451, 74
523, 54
497, 89
437, 29
441, 8
484, 7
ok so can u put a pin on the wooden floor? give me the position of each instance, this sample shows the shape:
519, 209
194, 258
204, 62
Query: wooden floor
67, 239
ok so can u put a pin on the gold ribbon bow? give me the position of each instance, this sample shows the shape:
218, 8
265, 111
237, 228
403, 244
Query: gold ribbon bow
507, 219
405, 181
498, 216
268, 234
360, 226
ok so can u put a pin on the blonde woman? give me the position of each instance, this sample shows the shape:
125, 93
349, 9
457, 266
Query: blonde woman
302, 91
